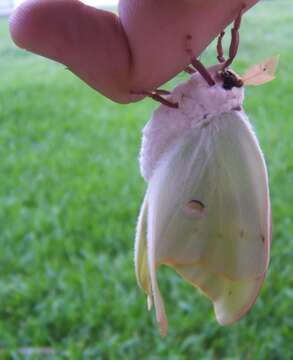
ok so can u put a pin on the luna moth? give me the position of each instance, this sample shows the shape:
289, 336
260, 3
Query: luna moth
206, 211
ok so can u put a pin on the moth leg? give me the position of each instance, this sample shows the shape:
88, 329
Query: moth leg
162, 92
234, 39
198, 65
157, 95
220, 50
189, 70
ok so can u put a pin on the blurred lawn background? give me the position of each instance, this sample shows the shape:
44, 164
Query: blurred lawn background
70, 193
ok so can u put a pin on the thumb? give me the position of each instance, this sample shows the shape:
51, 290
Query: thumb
90, 42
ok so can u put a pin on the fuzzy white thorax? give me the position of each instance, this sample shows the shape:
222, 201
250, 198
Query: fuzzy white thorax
199, 104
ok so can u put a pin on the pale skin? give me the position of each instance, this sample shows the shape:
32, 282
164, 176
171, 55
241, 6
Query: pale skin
137, 51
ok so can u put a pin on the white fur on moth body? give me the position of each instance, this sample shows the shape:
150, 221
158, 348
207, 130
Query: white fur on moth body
198, 104
205, 153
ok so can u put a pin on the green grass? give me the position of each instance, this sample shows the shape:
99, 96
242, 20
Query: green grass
70, 193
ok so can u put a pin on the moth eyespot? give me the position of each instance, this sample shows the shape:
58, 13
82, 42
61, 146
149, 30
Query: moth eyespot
194, 208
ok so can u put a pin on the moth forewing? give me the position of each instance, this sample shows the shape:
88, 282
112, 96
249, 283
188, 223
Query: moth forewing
223, 247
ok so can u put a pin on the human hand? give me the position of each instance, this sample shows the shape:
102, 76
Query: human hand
137, 51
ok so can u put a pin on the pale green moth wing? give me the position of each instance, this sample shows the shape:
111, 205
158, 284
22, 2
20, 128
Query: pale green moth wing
142, 268
209, 216
140, 252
